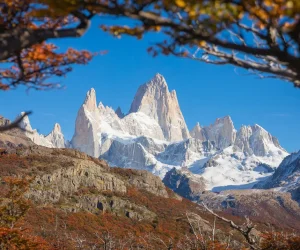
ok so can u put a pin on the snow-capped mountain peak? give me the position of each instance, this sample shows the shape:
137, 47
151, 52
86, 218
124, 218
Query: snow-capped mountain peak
53, 140
90, 100
56, 137
256, 140
222, 132
155, 100
57, 128
154, 136
25, 123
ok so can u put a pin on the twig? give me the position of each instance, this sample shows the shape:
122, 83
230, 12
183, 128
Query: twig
16, 123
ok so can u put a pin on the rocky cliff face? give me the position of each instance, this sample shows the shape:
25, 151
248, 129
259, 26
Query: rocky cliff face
286, 177
12, 138
222, 132
184, 183
72, 181
155, 100
256, 140
4, 121
86, 127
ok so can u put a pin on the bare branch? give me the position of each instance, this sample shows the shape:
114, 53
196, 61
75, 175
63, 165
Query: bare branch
16, 123
246, 232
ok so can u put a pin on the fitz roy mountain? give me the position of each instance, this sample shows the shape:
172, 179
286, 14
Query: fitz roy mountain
154, 136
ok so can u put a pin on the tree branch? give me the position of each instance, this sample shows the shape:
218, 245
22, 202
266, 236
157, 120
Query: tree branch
246, 232
15, 124
15, 40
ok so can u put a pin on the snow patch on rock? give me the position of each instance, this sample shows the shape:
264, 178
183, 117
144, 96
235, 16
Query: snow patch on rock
53, 140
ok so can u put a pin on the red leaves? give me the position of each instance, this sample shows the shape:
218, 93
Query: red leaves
280, 241
14, 239
33, 66
40, 62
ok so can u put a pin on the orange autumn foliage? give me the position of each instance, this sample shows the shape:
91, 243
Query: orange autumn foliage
12, 208
14, 239
280, 241
34, 65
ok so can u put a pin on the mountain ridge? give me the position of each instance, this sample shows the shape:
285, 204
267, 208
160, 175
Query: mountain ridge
153, 136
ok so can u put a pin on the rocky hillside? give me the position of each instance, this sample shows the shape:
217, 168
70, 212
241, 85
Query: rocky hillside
273, 206
13, 138
78, 201
270, 206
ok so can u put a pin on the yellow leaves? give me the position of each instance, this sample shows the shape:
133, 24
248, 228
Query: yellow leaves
202, 44
180, 3
157, 28
241, 14
56, 8
192, 14
126, 30
288, 27
43, 13
268, 3
290, 4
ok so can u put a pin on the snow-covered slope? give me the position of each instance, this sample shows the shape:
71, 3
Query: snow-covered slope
286, 177
154, 136
53, 140
231, 168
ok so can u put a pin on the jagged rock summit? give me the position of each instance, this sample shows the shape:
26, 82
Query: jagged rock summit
154, 136
222, 132
256, 140
155, 100
55, 139
198, 132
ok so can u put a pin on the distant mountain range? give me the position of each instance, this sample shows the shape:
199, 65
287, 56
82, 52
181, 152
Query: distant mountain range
153, 136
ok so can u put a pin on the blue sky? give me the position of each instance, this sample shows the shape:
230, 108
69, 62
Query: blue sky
205, 92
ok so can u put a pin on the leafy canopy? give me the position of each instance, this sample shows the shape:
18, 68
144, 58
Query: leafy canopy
262, 36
